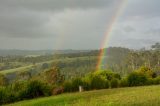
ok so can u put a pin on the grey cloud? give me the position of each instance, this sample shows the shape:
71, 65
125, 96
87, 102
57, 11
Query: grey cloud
129, 29
142, 9
29, 18
77, 24
21, 24
54, 4
152, 31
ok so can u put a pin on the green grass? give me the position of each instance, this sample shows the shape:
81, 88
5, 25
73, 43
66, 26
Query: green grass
15, 70
24, 68
135, 96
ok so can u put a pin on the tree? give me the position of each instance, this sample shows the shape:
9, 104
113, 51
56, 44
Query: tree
156, 46
54, 76
147, 72
3, 80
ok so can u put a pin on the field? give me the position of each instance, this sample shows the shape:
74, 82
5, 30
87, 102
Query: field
135, 96
64, 60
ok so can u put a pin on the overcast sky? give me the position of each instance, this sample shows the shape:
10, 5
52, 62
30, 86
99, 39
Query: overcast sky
77, 24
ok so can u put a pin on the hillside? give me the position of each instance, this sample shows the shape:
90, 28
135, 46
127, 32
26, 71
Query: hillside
135, 96
5, 52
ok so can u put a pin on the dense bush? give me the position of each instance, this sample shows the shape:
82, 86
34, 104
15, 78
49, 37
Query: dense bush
73, 85
7, 96
86, 84
3, 95
147, 72
150, 81
67, 86
57, 90
76, 83
98, 82
156, 80
114, 83
136, 79
3, 80
35, 89
109, 75
123, 82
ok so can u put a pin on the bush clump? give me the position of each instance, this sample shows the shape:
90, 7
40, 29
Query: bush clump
98, 82
114, 83
67, 86
136, 79
35, 89
123, 82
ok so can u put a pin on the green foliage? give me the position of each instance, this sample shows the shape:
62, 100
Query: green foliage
150, 81
114, 83
91, 81
147, 71
86, 84
3, 80
7, 96
123, 82
98, 82
35, 89
67, 86
136, 79
3, 95
76, 83
156, 80
17, 86
109, 75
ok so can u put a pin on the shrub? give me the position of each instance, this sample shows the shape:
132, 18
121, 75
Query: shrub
7, 96
35, 89
156, 80
57, 90
106, 84
3, 80
67, 86
3, 96
123, 82
109, 75
76, 83
73, 85
136, 79
98, 82
17, 86
147, 71
86, 84
114, 83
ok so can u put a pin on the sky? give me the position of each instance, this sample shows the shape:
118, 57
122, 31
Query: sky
77, 24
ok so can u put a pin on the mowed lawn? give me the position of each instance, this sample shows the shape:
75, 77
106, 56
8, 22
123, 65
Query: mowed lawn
134, 96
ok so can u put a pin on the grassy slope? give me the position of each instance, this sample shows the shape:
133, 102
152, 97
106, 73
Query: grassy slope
136, 96
37, 64
22, 68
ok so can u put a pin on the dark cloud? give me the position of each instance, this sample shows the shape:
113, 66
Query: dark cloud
28, 18
53, 4
22, 24
72, 24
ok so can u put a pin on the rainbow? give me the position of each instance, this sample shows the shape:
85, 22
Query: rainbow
119, 10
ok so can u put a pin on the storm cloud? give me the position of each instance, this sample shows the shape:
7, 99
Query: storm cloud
76, 24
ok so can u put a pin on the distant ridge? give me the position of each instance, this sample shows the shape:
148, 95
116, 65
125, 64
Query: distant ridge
6, 52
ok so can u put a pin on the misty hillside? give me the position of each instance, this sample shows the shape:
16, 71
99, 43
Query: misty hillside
37, 52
